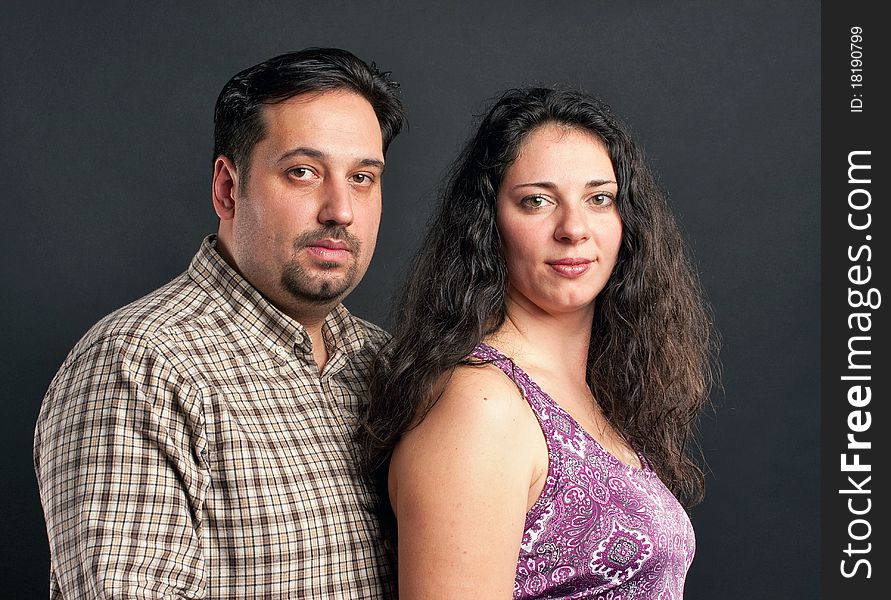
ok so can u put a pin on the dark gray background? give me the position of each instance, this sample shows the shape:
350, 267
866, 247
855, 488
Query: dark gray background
106, 125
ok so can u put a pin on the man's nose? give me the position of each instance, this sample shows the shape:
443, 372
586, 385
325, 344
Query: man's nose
337, 204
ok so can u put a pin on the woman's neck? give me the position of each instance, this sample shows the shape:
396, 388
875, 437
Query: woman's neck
547, 341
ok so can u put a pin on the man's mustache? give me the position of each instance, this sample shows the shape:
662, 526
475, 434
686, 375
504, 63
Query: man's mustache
308, 238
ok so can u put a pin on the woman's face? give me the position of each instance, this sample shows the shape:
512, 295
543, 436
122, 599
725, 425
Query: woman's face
556, 212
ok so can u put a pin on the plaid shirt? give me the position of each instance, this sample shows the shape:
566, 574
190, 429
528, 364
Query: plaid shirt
189, 448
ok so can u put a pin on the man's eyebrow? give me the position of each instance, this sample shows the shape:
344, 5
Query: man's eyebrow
372, 162
302, 151
319, 155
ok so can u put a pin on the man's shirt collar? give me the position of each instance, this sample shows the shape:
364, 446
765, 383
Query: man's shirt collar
247, 308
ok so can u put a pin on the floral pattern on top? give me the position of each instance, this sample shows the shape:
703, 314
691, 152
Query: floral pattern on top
601, 529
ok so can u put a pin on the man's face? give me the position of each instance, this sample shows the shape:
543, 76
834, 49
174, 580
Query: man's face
306, 216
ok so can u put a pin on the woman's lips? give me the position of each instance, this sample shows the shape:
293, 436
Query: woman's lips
571, 267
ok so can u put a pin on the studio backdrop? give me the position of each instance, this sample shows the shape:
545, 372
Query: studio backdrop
107, 128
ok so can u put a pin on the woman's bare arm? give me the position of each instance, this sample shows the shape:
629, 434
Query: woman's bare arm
460, 486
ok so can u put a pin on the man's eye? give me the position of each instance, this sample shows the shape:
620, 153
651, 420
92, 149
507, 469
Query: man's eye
362, 178
300, 173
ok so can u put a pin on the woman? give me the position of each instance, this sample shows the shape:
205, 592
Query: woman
551, 353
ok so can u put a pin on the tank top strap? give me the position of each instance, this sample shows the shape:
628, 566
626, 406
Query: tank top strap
531, 392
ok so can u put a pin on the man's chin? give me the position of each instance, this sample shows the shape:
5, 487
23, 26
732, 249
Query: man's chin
319, 290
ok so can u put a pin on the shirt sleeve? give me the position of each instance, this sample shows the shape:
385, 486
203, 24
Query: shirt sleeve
120, 458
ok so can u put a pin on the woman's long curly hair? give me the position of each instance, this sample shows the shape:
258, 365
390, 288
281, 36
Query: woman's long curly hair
651, 356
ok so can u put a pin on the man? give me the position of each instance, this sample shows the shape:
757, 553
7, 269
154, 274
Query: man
197, 443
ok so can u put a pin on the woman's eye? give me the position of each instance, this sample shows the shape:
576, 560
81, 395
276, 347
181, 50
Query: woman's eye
602, 199
533, 201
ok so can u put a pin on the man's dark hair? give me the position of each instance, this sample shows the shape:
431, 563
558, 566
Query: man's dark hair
238, 118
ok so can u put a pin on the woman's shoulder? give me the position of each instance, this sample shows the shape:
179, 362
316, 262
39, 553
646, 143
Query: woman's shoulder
473, 400
480, 391
479, 428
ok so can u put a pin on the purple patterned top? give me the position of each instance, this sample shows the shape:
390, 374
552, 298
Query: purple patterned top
600, 529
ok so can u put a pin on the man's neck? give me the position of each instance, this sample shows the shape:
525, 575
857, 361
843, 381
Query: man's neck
319, 349
312, 322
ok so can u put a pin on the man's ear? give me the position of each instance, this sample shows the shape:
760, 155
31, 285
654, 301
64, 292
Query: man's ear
225, 186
